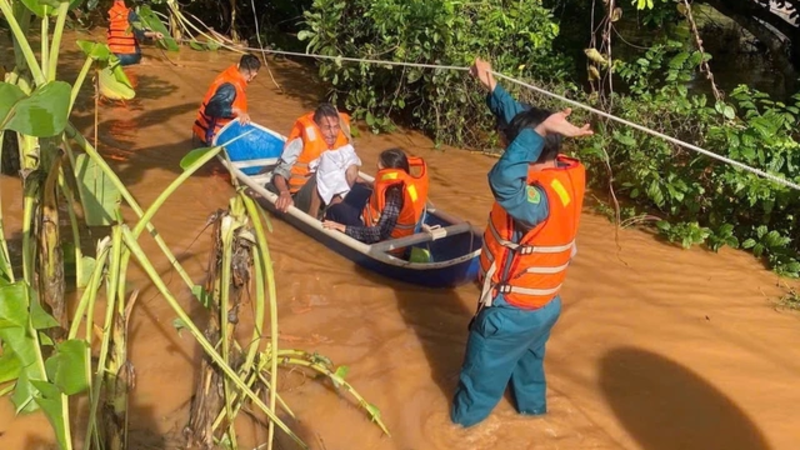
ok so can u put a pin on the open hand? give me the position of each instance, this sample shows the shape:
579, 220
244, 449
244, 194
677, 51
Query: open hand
482, 70
557, 124
244, 118
331, 225
284, 202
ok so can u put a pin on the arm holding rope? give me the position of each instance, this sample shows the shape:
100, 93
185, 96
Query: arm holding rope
500, 102
508, 179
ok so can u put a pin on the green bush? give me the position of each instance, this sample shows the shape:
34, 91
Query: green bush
703, 200
516, 36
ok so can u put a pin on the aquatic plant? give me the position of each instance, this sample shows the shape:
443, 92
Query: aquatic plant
45, 361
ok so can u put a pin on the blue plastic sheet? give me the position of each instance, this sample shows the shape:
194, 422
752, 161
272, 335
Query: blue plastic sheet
258, 144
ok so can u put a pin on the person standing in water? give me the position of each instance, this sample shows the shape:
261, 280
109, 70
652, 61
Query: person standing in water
226, 99
123, 38
528, 245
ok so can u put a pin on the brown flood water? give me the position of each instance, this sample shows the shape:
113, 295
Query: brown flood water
657, 347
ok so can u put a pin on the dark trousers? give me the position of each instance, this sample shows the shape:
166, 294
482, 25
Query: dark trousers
348, 212
129, 59
506, 345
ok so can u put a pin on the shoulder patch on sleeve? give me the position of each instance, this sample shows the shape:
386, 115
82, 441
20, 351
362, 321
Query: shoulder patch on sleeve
534, 195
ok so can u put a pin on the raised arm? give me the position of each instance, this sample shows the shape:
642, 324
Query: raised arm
500, 102
509, 180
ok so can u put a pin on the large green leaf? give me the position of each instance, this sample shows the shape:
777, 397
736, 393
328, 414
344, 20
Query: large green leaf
193, 156
38, 6
40, 320
43, 114
68, 369
49, 399
151, 21
114, 84
15, 335
99, 196
9, 96
95, 50
24, 392
10, 365
13, 307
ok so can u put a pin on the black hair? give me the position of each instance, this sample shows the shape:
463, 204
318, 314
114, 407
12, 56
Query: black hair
394, 158
325, 110
249, 63
531, 117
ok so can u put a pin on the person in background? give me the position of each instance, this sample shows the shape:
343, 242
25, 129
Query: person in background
226, 99
528, 245
313, 134
123, 38
392, 209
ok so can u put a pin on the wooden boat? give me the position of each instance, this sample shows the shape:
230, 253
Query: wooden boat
454, 245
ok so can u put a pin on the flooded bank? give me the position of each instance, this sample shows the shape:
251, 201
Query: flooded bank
657, 347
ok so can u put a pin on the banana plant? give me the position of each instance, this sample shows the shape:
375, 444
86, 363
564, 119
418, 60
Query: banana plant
41, 366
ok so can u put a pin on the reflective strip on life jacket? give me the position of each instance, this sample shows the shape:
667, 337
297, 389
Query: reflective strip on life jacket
507, 289
528, 249
547, 270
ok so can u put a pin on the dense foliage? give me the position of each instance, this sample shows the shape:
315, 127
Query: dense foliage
517, 36
699, 200
702, 200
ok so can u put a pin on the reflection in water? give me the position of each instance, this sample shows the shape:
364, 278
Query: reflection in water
665, 406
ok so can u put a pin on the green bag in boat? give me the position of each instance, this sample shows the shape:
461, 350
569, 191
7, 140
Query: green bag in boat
420, 255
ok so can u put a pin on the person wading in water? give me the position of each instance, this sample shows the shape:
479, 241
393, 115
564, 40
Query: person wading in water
527, 248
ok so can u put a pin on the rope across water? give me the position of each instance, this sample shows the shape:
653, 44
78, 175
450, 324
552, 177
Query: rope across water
340, 59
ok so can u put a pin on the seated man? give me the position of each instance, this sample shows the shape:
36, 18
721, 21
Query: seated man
332, 177
123, 38
314, 134
226, 99
392, 209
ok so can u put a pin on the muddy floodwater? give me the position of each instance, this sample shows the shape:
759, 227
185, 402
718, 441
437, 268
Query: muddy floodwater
657, 348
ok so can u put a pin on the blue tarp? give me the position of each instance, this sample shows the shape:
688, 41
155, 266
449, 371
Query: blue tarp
259, 144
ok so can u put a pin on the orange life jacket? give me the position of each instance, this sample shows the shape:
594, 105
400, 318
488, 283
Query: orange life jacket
415, 196
539, 261
120, 35
313, 146
205, 126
